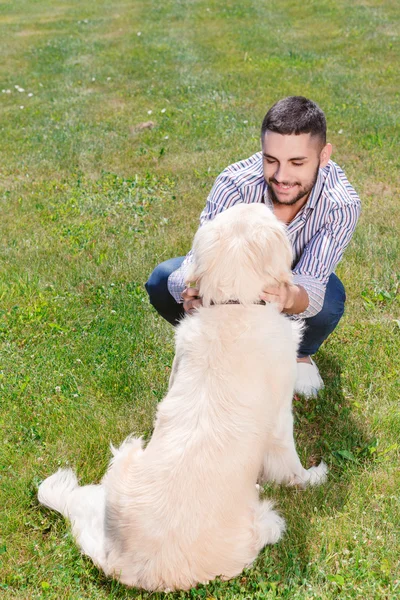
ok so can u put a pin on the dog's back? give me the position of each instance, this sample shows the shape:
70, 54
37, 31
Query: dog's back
180, 512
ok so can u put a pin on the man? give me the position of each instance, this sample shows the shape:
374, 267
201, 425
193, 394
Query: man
308, 192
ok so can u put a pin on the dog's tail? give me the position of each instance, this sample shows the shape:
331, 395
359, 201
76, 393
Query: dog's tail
55, 491
83, 506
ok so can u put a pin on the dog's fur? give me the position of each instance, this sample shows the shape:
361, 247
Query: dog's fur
185, 509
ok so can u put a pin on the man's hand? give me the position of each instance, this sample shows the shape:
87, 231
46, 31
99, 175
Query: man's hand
191, 300
291, 299
281, 295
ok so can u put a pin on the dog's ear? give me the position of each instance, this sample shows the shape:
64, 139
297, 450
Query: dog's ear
278, 254
190, 275
204, 254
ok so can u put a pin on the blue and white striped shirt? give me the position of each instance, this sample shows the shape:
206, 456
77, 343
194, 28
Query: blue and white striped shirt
319, 233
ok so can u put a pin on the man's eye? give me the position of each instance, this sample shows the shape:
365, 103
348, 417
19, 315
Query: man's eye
298, 164
269, 161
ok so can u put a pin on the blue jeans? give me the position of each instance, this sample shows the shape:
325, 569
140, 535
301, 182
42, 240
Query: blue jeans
317, 328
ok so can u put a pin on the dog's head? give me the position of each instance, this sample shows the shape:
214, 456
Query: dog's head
239, 253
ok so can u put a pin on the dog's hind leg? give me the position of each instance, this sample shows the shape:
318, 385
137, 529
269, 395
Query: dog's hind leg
83, 506
268, 525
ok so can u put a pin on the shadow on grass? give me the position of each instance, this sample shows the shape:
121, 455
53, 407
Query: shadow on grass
325, 429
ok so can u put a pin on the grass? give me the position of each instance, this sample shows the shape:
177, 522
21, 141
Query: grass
91, 202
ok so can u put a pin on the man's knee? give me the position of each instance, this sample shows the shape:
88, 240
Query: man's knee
319, 327
333, 306
157, 284
159, 295
334, 302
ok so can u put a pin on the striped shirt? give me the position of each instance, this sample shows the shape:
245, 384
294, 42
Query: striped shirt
319, 233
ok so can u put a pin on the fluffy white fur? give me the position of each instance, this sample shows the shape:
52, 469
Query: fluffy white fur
186, 508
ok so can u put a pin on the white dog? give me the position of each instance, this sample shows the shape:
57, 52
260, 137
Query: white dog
185, 509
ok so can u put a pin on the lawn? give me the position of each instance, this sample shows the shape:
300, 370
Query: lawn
92, 198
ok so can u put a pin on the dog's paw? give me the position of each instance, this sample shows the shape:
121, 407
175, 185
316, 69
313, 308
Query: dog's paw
317, 475
313, 476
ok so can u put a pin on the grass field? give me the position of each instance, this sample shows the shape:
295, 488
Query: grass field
91, 201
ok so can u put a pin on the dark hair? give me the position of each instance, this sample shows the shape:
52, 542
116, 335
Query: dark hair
295, 115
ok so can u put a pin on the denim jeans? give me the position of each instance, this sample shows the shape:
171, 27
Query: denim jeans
317, 328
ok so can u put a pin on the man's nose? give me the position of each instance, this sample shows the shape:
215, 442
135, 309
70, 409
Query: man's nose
281, 174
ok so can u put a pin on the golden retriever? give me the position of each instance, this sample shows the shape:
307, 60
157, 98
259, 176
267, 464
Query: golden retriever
186, 509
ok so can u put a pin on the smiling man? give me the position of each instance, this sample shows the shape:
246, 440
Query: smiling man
308, 192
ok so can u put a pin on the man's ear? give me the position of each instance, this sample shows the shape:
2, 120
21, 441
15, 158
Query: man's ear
325, 155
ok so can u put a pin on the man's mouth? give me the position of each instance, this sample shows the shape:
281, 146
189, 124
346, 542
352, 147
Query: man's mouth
284, 186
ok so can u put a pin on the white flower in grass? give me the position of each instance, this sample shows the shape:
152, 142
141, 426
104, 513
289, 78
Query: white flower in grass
149, 112
245, 122
108, 78
21, 107
93, 78
166, 137
30, 95
340, 131
163, 110
57, 389
139, 33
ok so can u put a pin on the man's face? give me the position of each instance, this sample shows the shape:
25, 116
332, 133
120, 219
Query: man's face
291, 164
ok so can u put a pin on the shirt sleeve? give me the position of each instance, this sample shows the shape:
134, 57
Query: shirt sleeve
177, 279
224, 194
322, 254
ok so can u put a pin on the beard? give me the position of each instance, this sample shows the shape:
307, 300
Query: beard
303, 191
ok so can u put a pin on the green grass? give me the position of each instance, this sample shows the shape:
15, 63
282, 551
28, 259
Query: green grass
90, 203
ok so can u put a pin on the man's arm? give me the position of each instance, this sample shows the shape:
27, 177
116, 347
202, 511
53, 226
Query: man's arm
320, 257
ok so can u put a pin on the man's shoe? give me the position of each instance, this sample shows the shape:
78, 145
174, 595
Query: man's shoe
309, 381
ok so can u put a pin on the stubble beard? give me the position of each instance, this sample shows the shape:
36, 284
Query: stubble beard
304, 191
